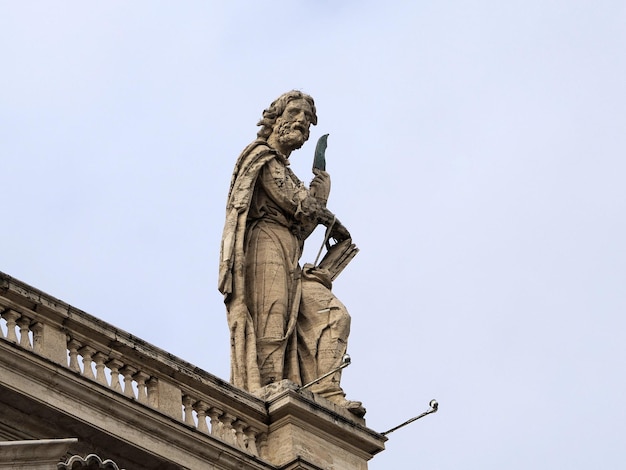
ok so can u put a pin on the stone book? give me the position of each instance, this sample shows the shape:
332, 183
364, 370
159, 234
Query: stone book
338, 256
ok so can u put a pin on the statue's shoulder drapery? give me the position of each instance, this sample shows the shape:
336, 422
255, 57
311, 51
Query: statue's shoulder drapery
247, 169
244, 367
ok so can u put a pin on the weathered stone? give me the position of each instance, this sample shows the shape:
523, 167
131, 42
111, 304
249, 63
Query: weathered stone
285, 322
303, 425
35, 454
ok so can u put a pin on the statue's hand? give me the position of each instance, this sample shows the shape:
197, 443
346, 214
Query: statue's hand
320, 185
339, 232
328, 219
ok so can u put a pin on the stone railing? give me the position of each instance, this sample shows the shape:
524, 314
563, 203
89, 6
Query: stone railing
128, 366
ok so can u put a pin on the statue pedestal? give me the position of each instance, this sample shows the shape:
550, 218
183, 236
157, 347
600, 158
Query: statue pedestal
309, 432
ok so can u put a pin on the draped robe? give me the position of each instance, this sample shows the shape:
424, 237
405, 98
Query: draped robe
280, 327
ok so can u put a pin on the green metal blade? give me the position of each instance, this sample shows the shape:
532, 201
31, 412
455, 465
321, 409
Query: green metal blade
319, 160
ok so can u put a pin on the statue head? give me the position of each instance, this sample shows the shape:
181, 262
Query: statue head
283, 125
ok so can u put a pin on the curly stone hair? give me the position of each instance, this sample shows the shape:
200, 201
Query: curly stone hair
277, 108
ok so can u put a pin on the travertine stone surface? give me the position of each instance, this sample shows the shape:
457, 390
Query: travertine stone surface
306, 426
285, 322
168, 398
35, 454
52, 342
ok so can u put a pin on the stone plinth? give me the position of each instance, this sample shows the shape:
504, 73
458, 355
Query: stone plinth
307, 431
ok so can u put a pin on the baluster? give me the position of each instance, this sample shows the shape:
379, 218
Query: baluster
128, 372
87, 353
251, 435
24, 325
37, 338
11, 316
73, 347
114, 365
153, 392
216, 425
188, 410
239, 436
101, 377
201, 409
227, 427
140, 378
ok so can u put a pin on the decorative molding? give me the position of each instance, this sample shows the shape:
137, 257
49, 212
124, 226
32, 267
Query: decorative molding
90, 462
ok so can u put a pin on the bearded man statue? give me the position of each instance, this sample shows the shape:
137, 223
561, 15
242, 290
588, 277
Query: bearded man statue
285, 322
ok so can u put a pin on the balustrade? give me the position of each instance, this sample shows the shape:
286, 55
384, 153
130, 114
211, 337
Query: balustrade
138, 384
93, 355
223, 425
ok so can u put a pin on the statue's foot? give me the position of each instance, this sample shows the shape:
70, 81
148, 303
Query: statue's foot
354, 407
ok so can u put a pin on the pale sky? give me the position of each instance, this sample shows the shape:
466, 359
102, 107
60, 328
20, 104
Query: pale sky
477, 153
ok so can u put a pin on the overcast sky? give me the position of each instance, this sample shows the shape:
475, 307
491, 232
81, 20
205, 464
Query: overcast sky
477, 153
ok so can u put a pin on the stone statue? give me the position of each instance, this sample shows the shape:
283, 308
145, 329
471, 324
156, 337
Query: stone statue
285, 323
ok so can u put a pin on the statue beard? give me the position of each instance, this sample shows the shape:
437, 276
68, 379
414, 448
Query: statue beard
292, 135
